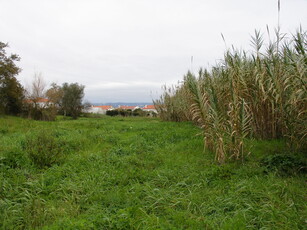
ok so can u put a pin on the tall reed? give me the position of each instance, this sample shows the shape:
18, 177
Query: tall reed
260, 94
174, 103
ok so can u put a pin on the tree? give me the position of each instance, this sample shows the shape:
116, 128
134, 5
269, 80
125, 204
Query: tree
37, 107
11, 91
38, 86
55, 94
72, 99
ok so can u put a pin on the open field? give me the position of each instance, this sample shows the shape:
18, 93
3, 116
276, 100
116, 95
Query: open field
138, 173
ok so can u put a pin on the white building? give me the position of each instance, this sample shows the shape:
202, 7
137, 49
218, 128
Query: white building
101, 109
149, 108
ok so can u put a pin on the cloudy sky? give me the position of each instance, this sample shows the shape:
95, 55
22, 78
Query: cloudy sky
125, 50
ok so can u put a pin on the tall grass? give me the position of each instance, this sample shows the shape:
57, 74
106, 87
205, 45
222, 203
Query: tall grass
260, 94
140, 173
173, 104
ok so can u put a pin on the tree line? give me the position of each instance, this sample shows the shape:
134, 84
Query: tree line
36, 102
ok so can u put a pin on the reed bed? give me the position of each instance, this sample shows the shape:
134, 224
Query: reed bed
257, 94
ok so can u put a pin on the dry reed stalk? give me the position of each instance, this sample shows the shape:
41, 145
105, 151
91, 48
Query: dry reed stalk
262, 95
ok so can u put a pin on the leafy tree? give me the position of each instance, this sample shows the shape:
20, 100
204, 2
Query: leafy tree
55, 94
72, 99
11, 91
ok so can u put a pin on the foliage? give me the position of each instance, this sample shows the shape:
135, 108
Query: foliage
37, 106
13, 157
43, 148
284, 164
119, 112
174, 103
48, 112
11, 91
140, 173
65, 99
129, 113
55, 94
72, 99
262, 95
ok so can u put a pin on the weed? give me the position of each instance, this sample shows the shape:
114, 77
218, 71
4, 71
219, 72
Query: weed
284, 164
43, 148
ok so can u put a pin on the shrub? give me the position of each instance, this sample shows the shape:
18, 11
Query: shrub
119, 112
43, 148
112, 112
283, 164
38, 113
129, 113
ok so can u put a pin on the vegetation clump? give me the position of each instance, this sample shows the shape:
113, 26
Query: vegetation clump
130, 113
11, 91
261, 95
284, 164
43, 148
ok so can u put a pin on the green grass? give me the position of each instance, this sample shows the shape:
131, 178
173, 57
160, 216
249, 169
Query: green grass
140, 173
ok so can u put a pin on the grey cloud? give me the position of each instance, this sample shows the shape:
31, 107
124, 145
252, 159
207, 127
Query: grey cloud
132, 46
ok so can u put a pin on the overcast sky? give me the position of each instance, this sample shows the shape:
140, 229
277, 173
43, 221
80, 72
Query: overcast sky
125, 50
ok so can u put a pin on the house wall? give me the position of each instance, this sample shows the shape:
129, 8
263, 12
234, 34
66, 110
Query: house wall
150, 110
97, 110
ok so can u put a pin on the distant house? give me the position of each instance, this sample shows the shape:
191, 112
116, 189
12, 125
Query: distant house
125, 107
40, 102
101, 109
150, 108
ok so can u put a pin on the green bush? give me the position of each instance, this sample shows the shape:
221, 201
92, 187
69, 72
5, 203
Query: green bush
129, 113
283, 164
112, 112
40, 114
138, 112
43, 148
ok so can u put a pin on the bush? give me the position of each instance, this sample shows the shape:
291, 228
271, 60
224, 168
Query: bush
283, 164
112, 112
49, 114
138, 112
129, 113
41, 114
43, 148
119, 112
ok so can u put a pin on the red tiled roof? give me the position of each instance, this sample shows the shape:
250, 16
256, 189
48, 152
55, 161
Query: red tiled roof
126, 107
43, 100
37, 100
28, 101
105, 107
149, 107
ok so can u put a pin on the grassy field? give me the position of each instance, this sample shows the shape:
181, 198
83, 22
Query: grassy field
139, 173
